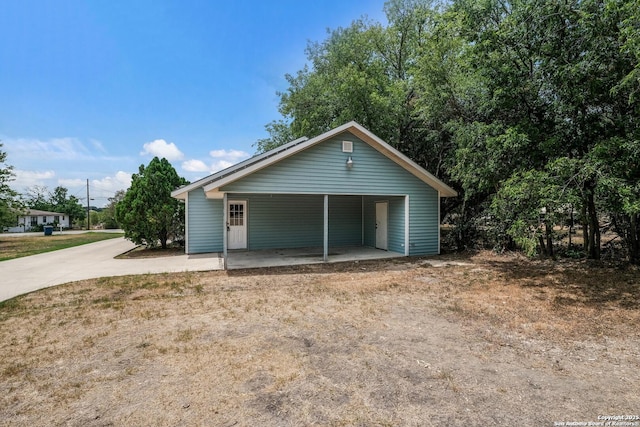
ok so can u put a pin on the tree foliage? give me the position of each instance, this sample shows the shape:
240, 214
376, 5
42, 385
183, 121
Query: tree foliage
528, 108
147, 213
108, 214
9, 202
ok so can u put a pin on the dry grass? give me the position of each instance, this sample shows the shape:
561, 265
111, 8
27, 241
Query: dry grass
497, 341
16, 247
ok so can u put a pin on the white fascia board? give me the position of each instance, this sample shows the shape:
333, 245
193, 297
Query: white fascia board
214, 194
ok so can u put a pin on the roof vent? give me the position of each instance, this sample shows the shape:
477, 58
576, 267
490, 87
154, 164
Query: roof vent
347, 146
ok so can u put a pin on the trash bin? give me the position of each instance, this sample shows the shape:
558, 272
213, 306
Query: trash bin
48, 230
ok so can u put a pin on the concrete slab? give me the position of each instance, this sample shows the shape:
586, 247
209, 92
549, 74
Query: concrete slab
23, 275
300, 256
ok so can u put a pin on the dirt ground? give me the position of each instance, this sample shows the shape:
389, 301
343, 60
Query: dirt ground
472, 340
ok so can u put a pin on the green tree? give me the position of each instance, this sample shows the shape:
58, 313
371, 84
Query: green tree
60, 201
108, 214
9, 204
553, 73
362, 72
38, 197
279, 134
514, 103
147, 213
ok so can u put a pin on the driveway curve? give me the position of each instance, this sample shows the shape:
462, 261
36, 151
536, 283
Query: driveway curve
23, 275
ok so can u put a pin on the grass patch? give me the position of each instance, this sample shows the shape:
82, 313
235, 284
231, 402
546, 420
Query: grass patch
495, 340
17, 247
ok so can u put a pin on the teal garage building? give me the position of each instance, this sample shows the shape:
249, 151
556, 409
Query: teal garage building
345, 187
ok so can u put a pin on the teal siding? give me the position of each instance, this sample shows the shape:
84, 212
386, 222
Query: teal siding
205, 222
321, 169
345, 220
396, 224
369, 217
424, 225
297, 221
283, 220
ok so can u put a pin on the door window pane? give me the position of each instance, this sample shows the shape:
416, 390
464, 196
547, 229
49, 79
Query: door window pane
236, 214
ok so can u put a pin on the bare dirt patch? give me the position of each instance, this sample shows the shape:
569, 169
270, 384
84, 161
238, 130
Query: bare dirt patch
476, 340
144, 252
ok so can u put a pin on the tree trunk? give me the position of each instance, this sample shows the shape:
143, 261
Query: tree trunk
593, 242
543, 248
163, 239
633, 242
594, 226
570, 226
549, 233
585, 227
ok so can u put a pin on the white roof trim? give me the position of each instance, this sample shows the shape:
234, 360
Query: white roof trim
256, 163
37, 212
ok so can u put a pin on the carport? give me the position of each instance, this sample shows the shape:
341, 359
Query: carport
257, 222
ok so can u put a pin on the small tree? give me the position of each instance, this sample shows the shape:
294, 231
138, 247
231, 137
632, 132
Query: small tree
9, 203
108, 214
147, 213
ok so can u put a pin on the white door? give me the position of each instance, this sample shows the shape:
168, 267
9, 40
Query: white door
237, 224
382, 209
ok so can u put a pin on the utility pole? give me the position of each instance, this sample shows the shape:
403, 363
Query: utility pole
88, 216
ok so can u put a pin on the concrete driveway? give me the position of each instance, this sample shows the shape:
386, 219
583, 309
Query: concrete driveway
27, 274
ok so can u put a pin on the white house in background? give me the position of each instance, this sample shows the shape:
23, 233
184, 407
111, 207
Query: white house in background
34, 218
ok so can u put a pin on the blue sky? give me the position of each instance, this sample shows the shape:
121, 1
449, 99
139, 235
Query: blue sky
92, 89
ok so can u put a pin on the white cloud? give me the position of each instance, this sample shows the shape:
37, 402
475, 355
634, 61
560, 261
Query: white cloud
195, 166
225, 158
98, 145
219, 165
121, 181
222, 159
103, 189
51, 149
161, 148
24, 179
229, 155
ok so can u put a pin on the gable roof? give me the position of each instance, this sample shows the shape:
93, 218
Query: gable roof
270, 157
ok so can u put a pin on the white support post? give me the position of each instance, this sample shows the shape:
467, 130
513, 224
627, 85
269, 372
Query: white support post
407, 224
186, 224
326, 228
439, 225
224, 230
